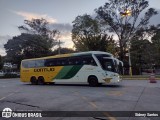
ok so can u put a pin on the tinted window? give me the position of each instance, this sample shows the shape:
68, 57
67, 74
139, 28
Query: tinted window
28, 64
24, 64
88, 60
107, 64
74, 61
39, 63
77, 60
56, 62
62, 61
102, 55
51, 62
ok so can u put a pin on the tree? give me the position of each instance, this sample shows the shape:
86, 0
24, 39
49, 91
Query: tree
142, 55
156, 43
122, 18
39, 27
27, 46
87, 35
1, 63
36, 40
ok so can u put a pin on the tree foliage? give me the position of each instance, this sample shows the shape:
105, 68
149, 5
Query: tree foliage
27, 46
122, 17
36, 40
156, 44
142, 54
87, 35
40, 27
1, 62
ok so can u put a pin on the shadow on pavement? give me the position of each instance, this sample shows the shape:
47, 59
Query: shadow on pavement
76, 84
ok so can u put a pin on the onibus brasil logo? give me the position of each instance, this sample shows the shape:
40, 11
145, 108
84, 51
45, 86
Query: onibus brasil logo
7, 113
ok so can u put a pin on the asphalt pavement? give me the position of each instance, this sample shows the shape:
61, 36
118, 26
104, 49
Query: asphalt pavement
129, 95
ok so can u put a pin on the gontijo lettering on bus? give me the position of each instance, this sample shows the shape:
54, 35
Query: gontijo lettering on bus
44, 69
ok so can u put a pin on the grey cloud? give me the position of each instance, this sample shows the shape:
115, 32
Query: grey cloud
62, 27
3, 40
156, 19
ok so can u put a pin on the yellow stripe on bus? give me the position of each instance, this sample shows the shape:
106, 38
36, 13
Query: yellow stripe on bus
47, 73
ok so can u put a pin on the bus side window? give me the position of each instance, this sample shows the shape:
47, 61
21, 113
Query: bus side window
58, 63
50, 62
39, 63
62, 61
88, 60
24, 64
31, 63
75, 61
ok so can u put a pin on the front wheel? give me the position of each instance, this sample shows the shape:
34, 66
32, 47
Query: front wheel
93, 81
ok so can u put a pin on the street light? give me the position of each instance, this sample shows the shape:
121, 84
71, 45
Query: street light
125, 14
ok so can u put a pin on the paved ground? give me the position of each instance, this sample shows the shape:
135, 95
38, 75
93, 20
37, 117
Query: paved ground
130, 95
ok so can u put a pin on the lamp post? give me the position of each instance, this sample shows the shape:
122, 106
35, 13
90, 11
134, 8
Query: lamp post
129, 57
125, 14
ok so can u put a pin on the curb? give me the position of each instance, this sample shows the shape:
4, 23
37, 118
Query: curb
138, 78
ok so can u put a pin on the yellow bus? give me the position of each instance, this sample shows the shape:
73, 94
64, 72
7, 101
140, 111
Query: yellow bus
92, 67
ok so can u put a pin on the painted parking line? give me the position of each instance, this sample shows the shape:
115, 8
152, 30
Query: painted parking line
115, 93
8, 95
109, 116
84, 98
94, 105
2, 98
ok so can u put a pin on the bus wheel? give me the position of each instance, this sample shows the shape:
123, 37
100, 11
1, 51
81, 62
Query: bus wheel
33, 80
41, 81
93, 81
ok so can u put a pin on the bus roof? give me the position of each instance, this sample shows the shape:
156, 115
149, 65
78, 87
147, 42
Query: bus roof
72, 54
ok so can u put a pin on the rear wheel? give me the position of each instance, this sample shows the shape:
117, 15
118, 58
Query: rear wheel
41, 81
33, 80
93, 81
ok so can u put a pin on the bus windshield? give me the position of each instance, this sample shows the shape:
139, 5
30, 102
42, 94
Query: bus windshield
106, 62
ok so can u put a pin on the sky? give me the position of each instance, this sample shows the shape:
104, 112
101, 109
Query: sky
60, 13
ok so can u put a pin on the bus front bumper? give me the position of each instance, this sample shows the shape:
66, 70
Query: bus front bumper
112, 80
